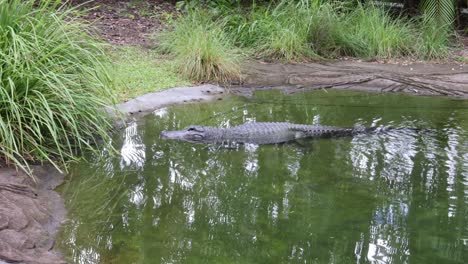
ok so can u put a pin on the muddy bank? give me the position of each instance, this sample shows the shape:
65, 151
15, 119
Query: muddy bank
417, 79
30, 215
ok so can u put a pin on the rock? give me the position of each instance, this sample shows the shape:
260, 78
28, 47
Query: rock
152, 101
18, 240
30, 214
4, 220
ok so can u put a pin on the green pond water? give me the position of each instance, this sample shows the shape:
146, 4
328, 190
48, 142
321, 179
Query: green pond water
398, 196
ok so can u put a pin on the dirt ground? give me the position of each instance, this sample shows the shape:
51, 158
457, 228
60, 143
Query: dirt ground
127, 22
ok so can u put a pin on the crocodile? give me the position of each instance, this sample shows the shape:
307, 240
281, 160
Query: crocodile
260, 133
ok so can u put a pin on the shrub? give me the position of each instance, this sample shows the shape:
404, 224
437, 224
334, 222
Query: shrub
51, 82
202, 50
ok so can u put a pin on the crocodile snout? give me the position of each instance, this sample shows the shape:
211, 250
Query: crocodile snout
164, 134
171, 134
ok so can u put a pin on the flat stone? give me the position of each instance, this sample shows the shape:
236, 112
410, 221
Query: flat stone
152, 101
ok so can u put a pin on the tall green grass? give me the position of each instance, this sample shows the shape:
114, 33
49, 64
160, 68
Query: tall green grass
304, 30
51, 82
434, 40
201, 48
288, 31
326, 29
313, 29
371, 32
283, 33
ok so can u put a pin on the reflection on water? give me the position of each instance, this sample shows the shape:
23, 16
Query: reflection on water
397, 196
132, 152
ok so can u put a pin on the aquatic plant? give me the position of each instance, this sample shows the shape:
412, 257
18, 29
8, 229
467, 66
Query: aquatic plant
52, 80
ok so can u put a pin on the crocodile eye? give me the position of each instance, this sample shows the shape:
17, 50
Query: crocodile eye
195, 129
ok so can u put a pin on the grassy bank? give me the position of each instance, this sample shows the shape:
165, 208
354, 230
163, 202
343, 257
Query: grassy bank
136, 71
52, 81
297, 31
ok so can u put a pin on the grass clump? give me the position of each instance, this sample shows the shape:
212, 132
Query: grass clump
374, 33
51, 82
201, 49
136, 71
283, 33
326, 29
434, 40
371, 32
289, 31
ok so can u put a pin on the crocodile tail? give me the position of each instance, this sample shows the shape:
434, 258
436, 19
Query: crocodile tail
364, 130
